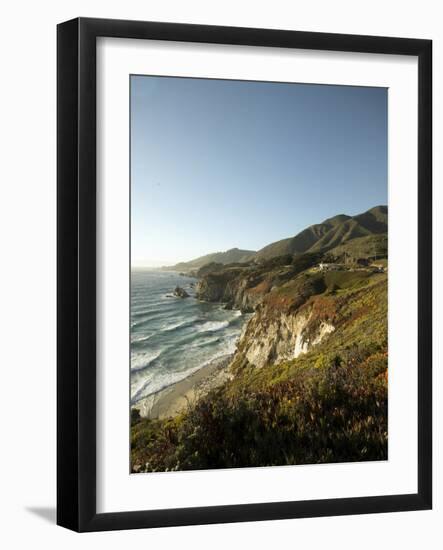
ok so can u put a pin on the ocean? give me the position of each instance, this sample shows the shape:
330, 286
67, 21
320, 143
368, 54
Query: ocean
173, 337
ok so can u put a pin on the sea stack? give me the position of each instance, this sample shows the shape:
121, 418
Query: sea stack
180, 292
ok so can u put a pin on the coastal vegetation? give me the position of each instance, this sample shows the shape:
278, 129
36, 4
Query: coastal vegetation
308, 381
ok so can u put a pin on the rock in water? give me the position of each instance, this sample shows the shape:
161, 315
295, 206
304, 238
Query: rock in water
180, 292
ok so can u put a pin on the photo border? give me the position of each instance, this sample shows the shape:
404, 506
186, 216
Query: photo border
76, 274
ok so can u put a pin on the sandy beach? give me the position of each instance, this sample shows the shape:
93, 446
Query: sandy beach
174, 399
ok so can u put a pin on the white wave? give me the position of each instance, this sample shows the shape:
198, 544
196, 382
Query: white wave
150, 386
213, 326
141, 338
142, 360
173, 326
202, 343
142, 321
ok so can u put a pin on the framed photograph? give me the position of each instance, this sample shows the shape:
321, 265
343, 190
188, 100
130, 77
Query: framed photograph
244, 274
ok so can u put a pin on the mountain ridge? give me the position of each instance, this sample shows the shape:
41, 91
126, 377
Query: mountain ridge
321, 237
330, 233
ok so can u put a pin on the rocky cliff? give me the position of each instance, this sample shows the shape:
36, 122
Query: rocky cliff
245, 287
274, 339
237, 288
289, 321
293, 311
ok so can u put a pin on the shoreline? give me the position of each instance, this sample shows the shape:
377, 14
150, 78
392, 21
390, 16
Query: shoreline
174, 399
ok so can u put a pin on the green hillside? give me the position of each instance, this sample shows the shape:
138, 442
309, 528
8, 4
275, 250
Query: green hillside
329, 234
372, 246
302, 242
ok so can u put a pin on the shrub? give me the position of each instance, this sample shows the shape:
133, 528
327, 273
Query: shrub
336, 413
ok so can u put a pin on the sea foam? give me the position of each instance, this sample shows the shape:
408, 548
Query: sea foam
213, 326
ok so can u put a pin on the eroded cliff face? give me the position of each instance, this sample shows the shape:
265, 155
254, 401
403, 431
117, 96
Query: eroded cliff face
291, 314
271, 338
229, 287
242, 289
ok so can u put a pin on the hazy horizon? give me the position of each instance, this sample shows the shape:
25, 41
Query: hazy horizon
217, 165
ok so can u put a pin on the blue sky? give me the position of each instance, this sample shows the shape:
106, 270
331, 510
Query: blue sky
217, 164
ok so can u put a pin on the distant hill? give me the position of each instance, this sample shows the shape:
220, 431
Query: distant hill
329, 234
234, 255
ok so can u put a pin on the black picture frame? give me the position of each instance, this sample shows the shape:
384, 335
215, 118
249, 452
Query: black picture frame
76, 280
